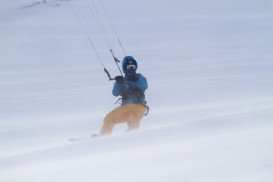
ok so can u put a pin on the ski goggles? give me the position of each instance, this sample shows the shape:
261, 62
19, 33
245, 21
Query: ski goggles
131, 66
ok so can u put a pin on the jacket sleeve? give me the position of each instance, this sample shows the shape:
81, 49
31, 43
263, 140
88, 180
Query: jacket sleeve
117, 89
142, 83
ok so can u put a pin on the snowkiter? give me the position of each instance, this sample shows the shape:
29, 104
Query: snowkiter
131, 88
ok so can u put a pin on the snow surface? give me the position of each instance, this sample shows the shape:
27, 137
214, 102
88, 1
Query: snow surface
209, 64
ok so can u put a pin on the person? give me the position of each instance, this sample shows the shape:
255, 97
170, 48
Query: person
131, 88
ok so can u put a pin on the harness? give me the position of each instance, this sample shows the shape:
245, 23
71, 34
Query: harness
139, 94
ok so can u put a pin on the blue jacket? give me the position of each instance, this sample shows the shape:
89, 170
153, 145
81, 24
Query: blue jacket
132, 91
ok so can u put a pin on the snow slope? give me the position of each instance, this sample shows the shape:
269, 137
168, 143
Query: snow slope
209, 65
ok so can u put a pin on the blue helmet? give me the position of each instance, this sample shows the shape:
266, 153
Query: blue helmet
128, 60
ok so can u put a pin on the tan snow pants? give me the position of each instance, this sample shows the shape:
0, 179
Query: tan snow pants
130, 114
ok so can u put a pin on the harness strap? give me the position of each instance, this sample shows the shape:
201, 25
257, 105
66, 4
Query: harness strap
147, 110
118, 100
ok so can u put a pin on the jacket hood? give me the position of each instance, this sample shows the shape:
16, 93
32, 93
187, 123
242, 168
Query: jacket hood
125, 62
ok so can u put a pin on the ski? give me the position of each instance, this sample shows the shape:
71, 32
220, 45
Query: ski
83, 138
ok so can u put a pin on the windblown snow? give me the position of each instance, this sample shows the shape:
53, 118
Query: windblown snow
209, 66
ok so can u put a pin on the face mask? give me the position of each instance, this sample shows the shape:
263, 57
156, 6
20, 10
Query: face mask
131, 66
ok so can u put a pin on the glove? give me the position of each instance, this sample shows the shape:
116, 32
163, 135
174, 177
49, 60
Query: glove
119, 79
